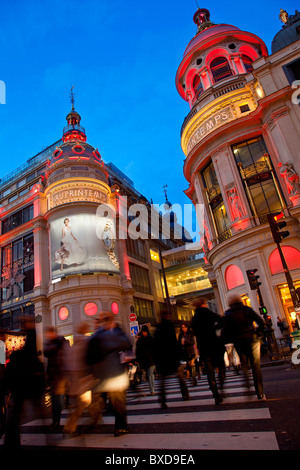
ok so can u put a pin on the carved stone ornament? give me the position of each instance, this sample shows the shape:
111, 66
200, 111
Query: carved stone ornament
235, 204
291, 178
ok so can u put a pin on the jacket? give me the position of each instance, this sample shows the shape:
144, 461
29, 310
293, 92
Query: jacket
187, 350
145, 352
239, 324
204, 325
103, 355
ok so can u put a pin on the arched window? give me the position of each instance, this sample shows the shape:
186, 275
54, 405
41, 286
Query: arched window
292, 258
247, 63
197, 86
220, 69
234, 277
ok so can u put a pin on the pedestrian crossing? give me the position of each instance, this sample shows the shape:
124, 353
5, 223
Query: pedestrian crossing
241, 422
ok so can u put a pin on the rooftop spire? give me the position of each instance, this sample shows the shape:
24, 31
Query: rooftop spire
72, 97
73, 131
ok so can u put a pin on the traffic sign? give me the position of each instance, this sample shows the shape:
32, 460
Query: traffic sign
134, 328
132, 317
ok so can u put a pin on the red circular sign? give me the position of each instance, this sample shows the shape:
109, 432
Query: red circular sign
132, 317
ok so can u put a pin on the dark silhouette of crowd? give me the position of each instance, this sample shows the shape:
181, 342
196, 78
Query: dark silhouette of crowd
93, 374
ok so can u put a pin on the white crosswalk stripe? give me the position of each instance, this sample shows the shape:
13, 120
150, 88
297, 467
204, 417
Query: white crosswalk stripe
241, 422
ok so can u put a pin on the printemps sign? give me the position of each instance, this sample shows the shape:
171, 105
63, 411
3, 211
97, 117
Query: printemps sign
76, 193
209, 125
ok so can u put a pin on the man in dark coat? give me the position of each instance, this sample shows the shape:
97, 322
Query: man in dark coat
211, 348
56, 349
167, 356
145, 355
240, 330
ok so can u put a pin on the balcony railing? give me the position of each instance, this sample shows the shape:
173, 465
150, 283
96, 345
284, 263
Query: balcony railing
220, 76
74, 127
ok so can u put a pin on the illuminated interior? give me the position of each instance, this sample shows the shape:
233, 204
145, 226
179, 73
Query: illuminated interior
188, 280
286, 299
154, 255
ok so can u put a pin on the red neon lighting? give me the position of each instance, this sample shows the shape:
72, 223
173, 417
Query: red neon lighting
78, 149
74, 136
96, 154
292, 257
115, 308
57, 153
63, 313
234, 277
90, 309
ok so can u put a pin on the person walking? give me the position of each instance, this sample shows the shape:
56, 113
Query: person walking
239, 328
145, 356
103, 355
56, 349
211, 349
80, 381
187, 351
167, 357
24, 380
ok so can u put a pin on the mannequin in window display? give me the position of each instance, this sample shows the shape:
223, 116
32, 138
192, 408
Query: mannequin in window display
70, 252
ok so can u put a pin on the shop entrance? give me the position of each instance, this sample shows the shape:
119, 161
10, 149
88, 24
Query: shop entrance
288, 307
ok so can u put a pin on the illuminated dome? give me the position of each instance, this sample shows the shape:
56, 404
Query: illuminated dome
224, 43
75, 154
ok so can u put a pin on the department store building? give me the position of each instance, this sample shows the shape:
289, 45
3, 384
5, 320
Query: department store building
66, 247
241, 141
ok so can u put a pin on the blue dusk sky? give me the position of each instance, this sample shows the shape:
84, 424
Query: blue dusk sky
122, 57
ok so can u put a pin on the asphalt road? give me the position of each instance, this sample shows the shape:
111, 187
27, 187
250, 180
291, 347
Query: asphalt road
282, 388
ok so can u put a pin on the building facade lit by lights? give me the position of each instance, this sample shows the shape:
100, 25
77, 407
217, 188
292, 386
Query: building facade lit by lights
66, 249
241, 141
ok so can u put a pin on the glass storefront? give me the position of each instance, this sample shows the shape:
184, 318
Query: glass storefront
288, 307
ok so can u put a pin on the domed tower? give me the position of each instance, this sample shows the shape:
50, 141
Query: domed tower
85, 261
235, 144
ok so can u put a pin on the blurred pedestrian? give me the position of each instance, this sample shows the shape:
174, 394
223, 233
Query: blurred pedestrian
167, 356
24, 381
80, 381
145, 356
211, 349
239, 329
187, 351
103, 354
56, 350
2, 384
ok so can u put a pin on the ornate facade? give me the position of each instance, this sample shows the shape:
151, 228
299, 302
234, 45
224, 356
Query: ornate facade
66, 249
241, 142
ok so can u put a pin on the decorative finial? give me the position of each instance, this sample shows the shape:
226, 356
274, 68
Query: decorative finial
202, 19
283, 16
167, 204
72, 97
165, 191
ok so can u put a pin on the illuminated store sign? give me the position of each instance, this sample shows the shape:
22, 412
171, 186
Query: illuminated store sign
208, 125
80, 193
82, 243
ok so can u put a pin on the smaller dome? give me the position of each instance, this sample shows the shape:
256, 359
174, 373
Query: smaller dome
76, 152
208, 33
289, 33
